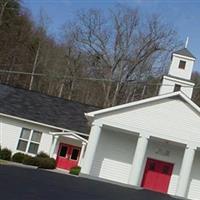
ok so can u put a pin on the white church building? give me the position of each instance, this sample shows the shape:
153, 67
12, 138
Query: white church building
153, 143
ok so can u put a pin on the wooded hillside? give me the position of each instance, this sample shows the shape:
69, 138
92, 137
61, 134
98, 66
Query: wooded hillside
103, 59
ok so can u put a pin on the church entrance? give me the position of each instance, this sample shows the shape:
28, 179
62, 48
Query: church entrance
68, 156
157, 175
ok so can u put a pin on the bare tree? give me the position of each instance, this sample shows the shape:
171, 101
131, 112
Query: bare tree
102, 59
73, 68
122, 47
40, 39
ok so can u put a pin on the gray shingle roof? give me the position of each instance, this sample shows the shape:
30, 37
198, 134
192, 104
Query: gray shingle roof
184, 52
44, 109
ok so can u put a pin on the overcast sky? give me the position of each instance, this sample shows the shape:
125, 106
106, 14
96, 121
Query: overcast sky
183, 15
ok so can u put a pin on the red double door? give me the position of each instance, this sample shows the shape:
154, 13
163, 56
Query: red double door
68, 156
157, 175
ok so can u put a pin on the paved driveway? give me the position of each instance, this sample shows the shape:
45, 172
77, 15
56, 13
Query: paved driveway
18, 183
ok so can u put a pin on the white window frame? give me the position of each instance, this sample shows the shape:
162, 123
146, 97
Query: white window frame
29, 141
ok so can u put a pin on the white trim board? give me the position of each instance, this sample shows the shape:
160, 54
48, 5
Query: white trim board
92, 115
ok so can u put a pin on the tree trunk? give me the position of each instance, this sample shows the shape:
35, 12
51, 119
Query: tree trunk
134, 91
10, 69
61, 88
157, 89
71, 89
129, 93
86, 100
108, 90
143, 92
49, 87
34, 67
115, 94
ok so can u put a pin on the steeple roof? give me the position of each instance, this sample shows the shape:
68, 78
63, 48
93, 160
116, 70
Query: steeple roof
184, 52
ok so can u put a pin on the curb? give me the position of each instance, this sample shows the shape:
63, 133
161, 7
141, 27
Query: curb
10, 163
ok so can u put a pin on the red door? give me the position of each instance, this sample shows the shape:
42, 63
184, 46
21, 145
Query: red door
157, 175
67, 156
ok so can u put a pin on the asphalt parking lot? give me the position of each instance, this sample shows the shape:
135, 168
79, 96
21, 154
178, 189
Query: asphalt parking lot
17, 183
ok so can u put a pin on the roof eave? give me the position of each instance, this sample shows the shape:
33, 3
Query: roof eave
41, 124
185, 57
93, 114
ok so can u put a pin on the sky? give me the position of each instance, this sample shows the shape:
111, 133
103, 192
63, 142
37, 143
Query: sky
182, 15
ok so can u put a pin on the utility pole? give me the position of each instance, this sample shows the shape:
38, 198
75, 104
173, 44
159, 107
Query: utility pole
34, 67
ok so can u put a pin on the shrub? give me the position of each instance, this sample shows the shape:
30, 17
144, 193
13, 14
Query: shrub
42, 160
75, 170
42, 155
29, 160
18, 157
46, 163
5, 154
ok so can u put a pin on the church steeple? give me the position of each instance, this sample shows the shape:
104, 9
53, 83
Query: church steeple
179, 74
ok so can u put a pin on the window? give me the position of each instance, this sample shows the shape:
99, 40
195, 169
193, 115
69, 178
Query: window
63, 151
75, 153
165, 169
177, 87
29, 141
24, 138
182, 64
152, 166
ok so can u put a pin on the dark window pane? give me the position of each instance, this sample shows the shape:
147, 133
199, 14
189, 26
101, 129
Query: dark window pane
36, 136
177, 88
152, 166
165, 170
182, 64
25, 134
63, 151
74, 155
22, 145
33, 148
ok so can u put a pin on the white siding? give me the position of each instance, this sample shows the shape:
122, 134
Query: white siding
194, 185
11, 130
170, 119
168, 86
114, 156
115, 152
171, 124
45, 143
10, 135
182, 73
